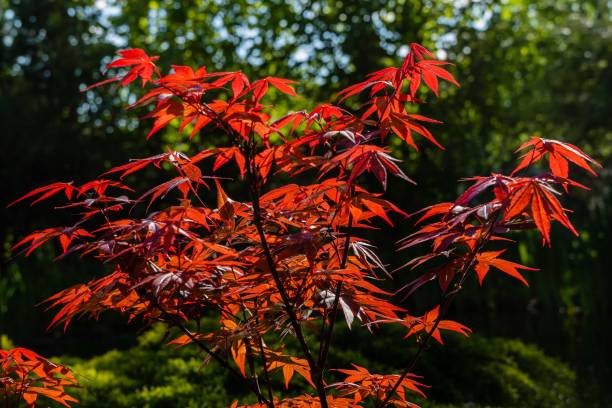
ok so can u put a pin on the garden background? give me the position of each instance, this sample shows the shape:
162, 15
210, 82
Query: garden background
524, 67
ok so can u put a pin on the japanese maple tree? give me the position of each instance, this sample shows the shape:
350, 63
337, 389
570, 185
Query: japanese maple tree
290, 258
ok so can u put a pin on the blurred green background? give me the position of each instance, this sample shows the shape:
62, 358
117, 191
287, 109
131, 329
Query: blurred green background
524, 67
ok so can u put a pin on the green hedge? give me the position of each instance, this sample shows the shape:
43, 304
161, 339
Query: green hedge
150, 375
474, 372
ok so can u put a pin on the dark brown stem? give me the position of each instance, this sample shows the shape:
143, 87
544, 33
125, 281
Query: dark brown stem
265, 367
263, 357
257, 218
334, 311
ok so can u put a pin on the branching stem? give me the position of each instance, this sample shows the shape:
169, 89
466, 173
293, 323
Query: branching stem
444, 305
222, 362
315, 372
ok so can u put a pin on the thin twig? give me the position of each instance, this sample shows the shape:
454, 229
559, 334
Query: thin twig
444, 305
332, 319
207, 350
263, 356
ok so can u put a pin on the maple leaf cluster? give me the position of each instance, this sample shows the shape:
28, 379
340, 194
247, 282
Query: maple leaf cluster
24, 375
290, 258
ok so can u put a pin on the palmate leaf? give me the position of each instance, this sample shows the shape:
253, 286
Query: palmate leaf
426, 323
184, 183
65, 236
497, 182
139, 164
417, 66
404, 124
184, 76
48, 191
288, 365
260, 87
366, 158
486, 260
536, 198
361, 384
376, 82
110, 292
168, 110
559, 154
141, 65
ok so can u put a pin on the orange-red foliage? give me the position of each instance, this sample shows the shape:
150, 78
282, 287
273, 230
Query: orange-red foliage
290, 257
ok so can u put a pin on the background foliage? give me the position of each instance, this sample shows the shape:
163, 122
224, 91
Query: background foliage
525, 68
510, 373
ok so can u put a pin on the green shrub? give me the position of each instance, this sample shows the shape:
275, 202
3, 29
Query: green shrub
499, 372
5, 342
470, 372
475, 372
149, 376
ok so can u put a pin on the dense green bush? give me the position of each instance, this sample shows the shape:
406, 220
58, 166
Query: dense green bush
499, 372
474, 372
150, 376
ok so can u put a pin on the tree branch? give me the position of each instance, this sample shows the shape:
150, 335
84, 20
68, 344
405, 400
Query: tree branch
444, 305
257, 218
208, 351
264, 359
332, 319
